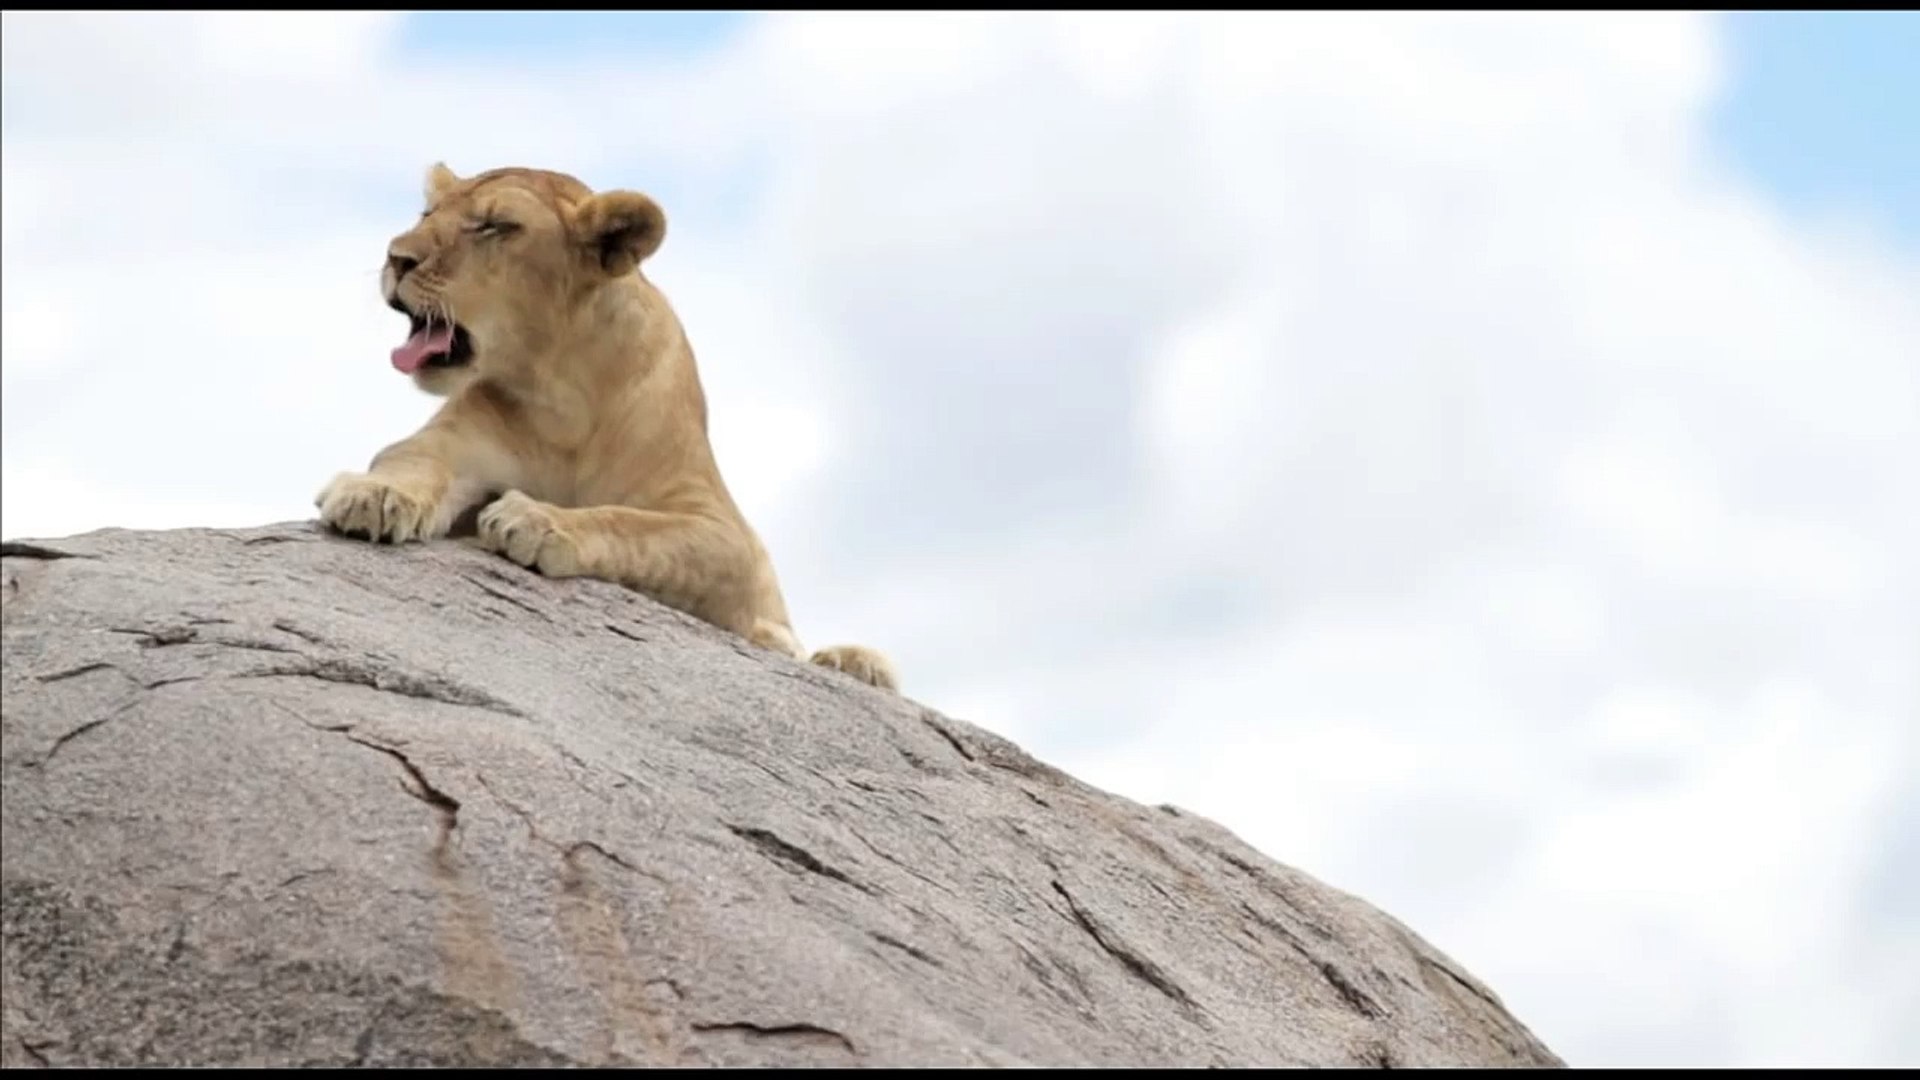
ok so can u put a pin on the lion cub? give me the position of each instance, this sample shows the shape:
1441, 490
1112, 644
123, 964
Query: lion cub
571, 394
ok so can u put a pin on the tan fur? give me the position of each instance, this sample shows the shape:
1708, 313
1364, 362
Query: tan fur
581, 410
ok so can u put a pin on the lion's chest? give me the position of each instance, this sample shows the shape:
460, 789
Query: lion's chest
627, 477
616, 448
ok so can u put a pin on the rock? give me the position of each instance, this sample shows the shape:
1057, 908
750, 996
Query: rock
271, 798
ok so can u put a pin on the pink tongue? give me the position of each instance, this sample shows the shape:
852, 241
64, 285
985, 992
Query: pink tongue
424, 345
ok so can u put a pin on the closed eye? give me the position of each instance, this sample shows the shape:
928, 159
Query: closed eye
494, 227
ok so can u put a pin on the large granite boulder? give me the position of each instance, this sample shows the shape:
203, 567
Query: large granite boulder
272, 798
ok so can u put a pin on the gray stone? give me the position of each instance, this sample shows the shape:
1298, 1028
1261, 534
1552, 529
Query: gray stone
273, 798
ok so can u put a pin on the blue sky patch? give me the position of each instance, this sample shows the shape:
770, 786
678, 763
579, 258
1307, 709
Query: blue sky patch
1824, 111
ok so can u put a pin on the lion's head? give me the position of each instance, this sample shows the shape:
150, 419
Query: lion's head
499, 265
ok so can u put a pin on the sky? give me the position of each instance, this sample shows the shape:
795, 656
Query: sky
1469, 456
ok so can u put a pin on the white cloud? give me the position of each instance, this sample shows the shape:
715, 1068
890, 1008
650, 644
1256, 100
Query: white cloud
1396, 437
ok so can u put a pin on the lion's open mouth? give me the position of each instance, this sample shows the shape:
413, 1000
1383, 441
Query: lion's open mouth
433, 343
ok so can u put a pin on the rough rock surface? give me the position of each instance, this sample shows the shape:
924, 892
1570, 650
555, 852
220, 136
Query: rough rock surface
271, 798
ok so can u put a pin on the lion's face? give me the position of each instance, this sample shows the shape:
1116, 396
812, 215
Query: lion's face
498, 265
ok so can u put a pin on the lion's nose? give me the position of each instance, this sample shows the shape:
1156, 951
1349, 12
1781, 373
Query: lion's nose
400, 264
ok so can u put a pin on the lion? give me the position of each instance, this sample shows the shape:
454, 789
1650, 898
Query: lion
573, 416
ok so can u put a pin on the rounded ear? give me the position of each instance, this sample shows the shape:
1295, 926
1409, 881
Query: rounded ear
620, 229
440, 180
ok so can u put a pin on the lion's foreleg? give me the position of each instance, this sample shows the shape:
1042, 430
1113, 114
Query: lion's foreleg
696, 564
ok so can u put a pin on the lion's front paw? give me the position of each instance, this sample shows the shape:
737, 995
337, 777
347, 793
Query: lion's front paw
530, 533
377, 508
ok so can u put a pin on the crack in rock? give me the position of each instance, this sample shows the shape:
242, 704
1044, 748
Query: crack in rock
1350, 995
1355, 998
254, 644
791, 856
71, 735
32, 1050
415, 783
1469, 985
406, 684
189, 634
303, 875
499, 594
803, 1032
159, 636
75, 733
275, 538
1081, 999
987, 748
572, 852
1265, 881
74, 672
307, 636
569, 852
943, 731
895, 860
917, 953
1141, 967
